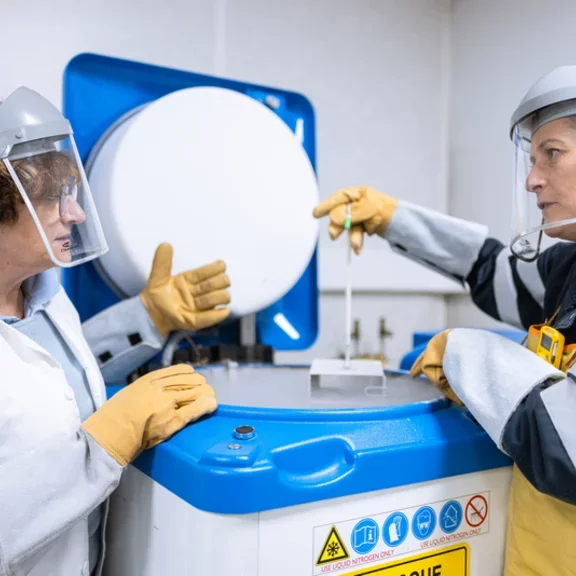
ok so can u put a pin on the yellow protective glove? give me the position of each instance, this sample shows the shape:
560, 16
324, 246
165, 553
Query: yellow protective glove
430, 363
371, 212
188, 300
150, 410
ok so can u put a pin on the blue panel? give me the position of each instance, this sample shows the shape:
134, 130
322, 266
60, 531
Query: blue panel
97, 91
300, 456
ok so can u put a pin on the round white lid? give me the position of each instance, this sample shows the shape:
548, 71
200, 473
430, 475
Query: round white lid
219, 176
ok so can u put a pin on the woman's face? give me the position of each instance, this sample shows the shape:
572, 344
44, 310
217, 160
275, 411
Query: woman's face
58, 215
553, 175
21, 242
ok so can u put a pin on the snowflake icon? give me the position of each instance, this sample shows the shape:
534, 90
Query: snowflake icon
333, 549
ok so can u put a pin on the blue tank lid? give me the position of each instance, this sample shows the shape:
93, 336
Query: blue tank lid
246, 459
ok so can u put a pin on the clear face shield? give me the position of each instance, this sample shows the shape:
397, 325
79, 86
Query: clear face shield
541, 178
51, 180
527, 219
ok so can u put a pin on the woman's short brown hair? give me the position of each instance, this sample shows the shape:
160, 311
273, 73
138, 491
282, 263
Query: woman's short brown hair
39, 175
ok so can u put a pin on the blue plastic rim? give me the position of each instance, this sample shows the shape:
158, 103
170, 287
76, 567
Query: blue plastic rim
97, 91
302, 456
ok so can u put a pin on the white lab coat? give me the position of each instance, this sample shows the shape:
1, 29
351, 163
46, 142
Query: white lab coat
52, 474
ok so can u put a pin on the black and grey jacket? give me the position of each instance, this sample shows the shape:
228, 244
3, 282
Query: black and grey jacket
527, 406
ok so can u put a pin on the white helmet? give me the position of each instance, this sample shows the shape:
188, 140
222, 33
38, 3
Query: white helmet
552, 97
38, 150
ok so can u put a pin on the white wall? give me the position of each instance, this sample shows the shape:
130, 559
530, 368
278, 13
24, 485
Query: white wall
377, 74
376, 71
41, 37
499, 50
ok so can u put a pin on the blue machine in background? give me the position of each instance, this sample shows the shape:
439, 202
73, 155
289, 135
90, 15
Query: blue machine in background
99, 90
274, 443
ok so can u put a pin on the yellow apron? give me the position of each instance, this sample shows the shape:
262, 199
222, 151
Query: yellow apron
541, 538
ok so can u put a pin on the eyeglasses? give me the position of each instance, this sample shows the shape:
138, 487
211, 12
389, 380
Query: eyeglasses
68, 190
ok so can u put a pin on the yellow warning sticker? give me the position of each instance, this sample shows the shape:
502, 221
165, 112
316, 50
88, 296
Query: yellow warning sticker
454, 561
333, 549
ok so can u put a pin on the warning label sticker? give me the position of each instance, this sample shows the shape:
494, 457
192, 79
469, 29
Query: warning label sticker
333, 549
358, 542
453, 561
476, 510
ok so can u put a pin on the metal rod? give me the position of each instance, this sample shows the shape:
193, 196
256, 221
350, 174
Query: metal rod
348, 295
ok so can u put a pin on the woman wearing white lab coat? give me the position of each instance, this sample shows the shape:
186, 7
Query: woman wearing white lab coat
524, 399
63, 446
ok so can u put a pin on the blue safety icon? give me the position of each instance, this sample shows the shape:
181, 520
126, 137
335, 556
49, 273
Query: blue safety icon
395, 529
364, 536
450, 516
424, 522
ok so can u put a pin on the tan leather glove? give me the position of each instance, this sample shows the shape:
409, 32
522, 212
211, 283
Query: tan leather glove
150, 410
188, 300
430, 363
371, 211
